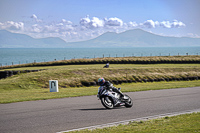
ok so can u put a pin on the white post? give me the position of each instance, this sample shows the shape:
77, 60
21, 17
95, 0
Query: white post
53, 85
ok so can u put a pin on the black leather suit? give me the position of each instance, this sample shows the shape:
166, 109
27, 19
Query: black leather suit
109, 86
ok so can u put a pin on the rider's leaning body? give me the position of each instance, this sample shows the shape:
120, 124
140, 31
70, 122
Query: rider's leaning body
109, 86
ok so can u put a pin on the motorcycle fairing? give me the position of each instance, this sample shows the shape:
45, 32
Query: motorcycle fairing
102, 91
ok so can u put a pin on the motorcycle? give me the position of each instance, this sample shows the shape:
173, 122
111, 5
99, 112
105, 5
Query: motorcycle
111, 99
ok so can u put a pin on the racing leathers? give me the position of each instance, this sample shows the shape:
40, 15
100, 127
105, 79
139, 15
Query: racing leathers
109, 86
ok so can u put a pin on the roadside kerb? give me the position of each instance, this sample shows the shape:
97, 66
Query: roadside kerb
131, 120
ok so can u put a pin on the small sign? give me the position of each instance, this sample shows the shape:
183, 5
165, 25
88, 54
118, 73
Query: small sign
53, 85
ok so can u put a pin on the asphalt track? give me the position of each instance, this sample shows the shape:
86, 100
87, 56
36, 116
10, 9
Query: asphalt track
55, 115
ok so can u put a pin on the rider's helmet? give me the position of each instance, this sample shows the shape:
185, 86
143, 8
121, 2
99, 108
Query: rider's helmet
101, 81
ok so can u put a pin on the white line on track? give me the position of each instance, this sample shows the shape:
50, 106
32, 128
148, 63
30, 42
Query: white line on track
131, 120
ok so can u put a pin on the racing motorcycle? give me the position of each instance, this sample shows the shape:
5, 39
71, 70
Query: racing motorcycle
111, 99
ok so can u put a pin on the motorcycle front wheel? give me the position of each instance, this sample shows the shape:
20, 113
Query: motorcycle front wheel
107, 102
129, 102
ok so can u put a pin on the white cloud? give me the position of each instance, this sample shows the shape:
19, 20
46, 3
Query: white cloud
96, 22
100, 23
10, 25
132, 24
88, 27
63, 26
66, 22
91, 23
165, 24
177, 24
50, 29
85, 21
34, 17
113, 22
36, 28
150, 24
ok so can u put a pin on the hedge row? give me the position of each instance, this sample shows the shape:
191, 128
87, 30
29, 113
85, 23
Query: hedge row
6, 74
138, 80
117, 60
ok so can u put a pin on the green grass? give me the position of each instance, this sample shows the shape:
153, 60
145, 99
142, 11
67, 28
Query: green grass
118, 60
76, 75
29, 94
187, 123
100, 66
35, 85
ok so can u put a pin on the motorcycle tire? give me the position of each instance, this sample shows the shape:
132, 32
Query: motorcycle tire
129, 102
107, 102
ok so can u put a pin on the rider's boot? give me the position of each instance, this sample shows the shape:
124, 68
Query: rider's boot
117, 103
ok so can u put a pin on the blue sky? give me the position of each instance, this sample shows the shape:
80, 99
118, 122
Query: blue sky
77, 20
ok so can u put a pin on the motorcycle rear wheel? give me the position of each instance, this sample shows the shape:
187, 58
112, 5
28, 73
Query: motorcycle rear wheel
107, 102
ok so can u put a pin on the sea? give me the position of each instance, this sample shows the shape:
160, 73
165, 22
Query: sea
13, 56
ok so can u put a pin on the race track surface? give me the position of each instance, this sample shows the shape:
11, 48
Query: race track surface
50, 116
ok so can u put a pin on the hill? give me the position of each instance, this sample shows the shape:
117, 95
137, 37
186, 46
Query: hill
137, 38
131, 38
15, 40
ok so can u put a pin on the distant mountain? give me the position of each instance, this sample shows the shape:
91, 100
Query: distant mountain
15, 40
136, 38
131, 38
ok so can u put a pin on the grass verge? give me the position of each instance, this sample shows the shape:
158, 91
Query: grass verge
187, 123
116, 60
87, 75
71, 78
19, 95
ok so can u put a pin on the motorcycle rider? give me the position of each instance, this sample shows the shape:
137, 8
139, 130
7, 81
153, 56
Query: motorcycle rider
109, 86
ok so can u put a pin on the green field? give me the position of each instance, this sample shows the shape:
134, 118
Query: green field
187, 123
73, 79
117, 60
35, 85
77, 75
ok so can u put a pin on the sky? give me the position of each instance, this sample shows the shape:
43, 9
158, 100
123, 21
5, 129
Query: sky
79, 20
